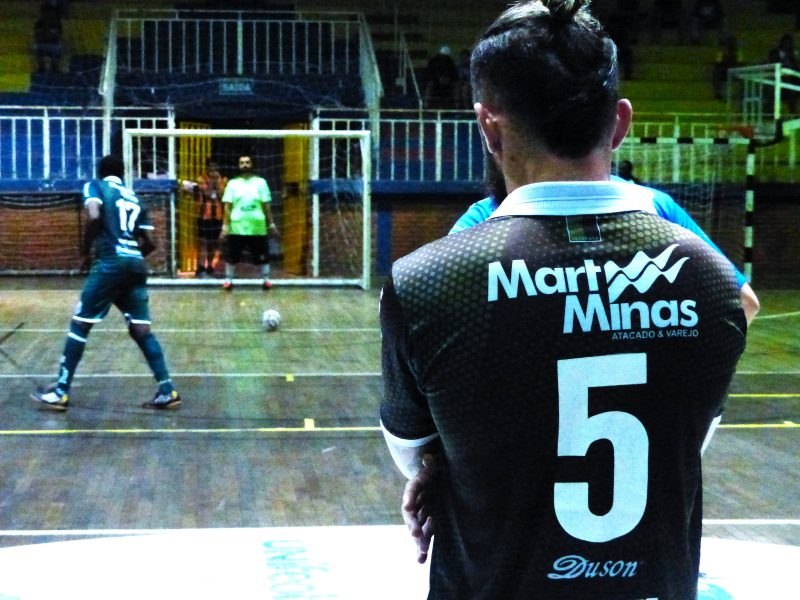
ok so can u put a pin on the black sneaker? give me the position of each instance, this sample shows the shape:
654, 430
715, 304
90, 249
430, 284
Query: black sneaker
164, 401
50, 398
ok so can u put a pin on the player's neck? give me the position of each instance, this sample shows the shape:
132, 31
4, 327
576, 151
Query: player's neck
557, 169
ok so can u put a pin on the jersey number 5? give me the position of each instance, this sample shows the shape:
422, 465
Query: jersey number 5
577, 431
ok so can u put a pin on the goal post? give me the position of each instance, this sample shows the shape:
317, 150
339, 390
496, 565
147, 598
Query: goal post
320, 183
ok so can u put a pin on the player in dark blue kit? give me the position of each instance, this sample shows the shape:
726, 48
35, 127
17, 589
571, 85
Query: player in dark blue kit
119, 230
559, 365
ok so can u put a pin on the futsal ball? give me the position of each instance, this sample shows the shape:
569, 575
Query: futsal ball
270, 319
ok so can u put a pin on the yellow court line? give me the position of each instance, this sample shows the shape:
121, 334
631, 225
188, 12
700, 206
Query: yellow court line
784, 425
308, 425
764, 395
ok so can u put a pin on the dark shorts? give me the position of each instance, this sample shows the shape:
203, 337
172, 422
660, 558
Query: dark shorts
208, 230
256, 245
121, 283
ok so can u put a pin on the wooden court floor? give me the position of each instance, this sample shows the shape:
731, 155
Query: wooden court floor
281, 429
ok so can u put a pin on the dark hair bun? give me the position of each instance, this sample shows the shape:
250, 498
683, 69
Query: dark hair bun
564, 10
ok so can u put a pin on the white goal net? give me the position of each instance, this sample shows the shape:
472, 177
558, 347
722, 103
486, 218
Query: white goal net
319, 184
706, 176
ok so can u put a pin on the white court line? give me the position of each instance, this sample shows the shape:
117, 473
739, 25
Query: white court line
78, 532
756, 522
276, 374
73, 532
200, 374
210, 330
779, 316
768, 372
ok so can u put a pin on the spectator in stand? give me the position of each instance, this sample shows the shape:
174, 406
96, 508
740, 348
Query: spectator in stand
622, 25
707, 14
668, 13
441, 79
464, 86
625, 171
728, 57
786, 55
47, 40
59, 6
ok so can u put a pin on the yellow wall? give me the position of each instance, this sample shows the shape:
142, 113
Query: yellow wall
294, 224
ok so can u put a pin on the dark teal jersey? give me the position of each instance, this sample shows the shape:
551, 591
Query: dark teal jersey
123, 217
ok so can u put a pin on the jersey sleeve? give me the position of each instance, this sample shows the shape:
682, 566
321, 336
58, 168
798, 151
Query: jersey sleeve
264, 192
670, 210
92, 192
404, 410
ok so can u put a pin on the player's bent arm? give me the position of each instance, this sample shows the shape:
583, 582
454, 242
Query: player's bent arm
187, 185
750, 302
93, 224
146, 243
407, 454
406, 421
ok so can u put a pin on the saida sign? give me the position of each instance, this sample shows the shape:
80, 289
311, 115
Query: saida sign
238, 86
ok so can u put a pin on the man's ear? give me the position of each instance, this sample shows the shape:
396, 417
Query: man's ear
490, 127
622, 122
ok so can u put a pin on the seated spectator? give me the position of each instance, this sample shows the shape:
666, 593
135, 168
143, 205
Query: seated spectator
785, 54
625, 171
441, 79
57, 5
47, 41
707, 14
728, 57
670, 14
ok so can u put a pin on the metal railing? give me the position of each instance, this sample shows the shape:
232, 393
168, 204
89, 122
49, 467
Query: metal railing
237, 43
46, 143
760, 94
405, 69
445, 146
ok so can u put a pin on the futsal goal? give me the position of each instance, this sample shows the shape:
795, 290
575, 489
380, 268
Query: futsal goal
711, 177
320, 188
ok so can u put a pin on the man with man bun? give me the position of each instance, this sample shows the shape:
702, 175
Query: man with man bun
552, 373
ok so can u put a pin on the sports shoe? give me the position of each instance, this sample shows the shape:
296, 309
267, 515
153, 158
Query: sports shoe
50, 398
161, 401
267, 285
227, 285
